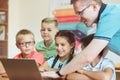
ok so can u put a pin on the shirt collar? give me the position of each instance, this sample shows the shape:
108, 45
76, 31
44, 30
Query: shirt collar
51, 46
98, 64
103, 6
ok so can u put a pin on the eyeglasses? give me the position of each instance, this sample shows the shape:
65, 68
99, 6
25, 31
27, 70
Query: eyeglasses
79, 13
30, 43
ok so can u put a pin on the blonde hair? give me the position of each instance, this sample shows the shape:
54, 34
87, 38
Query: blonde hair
97, 1
50, 20
23, 32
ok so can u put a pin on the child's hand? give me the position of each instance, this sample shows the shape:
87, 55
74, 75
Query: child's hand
51, 74
41, 69
81, 71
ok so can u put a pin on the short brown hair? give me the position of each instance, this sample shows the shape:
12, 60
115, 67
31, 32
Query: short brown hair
23, 32
50, 20
87, 39
97, 1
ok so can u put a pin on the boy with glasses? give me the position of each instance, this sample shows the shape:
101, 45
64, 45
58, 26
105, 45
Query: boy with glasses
25, 42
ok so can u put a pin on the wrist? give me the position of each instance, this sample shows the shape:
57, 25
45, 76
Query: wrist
81, 71
58, 73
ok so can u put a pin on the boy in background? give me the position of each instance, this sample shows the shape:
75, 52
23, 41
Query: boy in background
49, 27
25, 42
99, 69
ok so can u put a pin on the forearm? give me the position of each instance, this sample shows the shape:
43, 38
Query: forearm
77, 76
74, 65
85, 57
94, 75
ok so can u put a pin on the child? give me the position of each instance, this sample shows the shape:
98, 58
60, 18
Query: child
99, 69
65, 44
49, 27
25, 42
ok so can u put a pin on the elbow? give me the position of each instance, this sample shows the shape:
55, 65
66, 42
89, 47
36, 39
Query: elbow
106, 78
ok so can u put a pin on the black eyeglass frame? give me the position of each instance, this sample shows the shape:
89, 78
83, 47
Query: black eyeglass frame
79, 13
30, 43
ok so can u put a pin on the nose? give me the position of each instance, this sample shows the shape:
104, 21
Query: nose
80, 18
26, 44
58, 47
46, 31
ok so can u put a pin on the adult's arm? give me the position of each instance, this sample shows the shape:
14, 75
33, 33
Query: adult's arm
85, 57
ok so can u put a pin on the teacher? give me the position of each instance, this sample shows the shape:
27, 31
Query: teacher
107, 18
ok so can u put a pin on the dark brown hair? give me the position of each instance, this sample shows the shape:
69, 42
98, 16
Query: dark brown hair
86, 40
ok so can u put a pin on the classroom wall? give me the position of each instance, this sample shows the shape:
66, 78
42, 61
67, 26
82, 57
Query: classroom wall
25, 14
28, 14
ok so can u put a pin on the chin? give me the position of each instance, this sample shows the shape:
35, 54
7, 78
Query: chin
60, 55
89, 25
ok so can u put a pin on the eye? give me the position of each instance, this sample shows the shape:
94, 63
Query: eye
49, 30
62, 44
56, 44
22, 43
29, 43
42, 29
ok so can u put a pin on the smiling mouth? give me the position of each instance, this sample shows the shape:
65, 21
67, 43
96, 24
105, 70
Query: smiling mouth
60, 52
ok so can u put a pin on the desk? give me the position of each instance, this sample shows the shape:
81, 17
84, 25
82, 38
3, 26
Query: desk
117, 68
2, 71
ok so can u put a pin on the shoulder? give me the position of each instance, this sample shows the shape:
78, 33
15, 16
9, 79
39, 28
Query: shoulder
106, 60
108, 63
17, 56
39, 45
51, 59
37, 54
113, 7
40, 42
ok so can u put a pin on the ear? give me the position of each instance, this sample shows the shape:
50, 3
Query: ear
57, 30
17, 45
94, 5
72, 45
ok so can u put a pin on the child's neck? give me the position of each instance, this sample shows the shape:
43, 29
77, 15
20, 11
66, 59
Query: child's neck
95, 61
48, 43
62, 59
25, 56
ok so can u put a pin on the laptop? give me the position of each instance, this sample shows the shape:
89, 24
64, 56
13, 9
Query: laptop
21, 69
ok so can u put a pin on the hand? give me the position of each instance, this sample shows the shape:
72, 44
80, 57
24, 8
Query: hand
81, 71
51, 74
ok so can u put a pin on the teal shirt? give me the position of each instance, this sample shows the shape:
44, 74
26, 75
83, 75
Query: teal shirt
47, 51
108, 27
58, 64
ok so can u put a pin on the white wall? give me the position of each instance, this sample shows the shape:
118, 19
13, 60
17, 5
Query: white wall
28, 14
25, 14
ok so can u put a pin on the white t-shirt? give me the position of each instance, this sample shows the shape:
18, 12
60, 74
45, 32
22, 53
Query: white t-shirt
102, 65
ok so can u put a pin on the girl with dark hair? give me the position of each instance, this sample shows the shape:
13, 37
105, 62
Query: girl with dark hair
65, 44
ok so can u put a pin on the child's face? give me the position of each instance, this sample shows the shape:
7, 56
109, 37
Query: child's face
48, 31
26, 44
63, 48
82, 46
